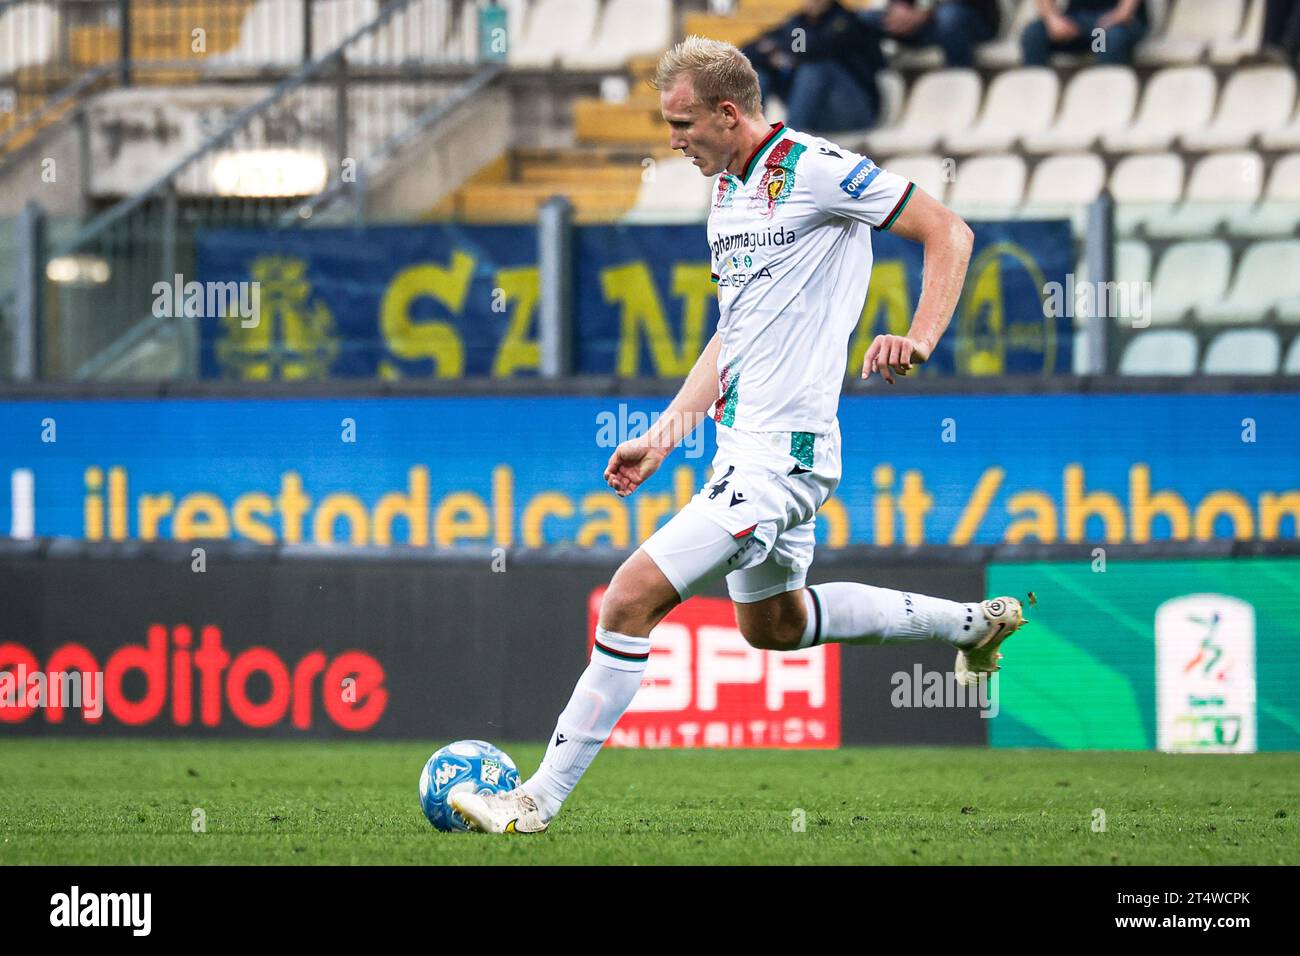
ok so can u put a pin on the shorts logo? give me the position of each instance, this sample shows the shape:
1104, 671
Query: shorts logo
721, 486
736, 498
856, 182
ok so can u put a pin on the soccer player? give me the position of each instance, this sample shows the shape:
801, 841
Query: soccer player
789, 231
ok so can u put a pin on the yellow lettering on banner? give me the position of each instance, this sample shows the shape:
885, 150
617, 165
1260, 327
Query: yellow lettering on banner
683, 485
518, 351
414, 507
538, 510
915, 503
503, 505
1144, 507
439, 341
200, 515
887, 292
1079, 507
978, 506
1042, 526
461, 516
293, 505
243, 511
1273, 508
341, 504
1229, 503
693, 284
117, 506
632, 289
649, 509
151, 510
612, 524
836, 517
981, 347
882, 515
93, 513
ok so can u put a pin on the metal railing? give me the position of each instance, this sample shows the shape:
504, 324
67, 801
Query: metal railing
315, 133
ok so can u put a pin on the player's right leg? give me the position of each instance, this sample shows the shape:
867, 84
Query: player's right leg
687, 552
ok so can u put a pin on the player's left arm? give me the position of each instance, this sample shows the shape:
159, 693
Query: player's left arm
947, 241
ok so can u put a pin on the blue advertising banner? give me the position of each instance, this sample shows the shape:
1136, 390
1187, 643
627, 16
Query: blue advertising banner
451, 301
499, 472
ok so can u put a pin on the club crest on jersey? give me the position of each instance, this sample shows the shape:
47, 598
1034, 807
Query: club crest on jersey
778, 178
775, 184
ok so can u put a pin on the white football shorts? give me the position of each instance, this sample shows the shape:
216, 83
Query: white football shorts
754, 519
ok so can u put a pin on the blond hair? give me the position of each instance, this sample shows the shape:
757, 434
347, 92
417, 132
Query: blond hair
718, 72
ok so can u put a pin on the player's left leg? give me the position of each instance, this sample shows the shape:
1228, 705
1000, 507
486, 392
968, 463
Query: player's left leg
775, 611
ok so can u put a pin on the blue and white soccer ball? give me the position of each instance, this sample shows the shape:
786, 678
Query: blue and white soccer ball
466, 764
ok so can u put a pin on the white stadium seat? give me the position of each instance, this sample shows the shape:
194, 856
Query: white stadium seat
929, 172
553, 29
1099, 98
1268, 274
627, 28
893, 91
940, 102
1063, 186
271, 33
1292, 364
29, 36
1255, 99
417, 33
1174, 101
1166, 352
1221, 185
989, 187
1286, 136
1145, 186
1018, 102
1278, 211
1004, 52
1190, 29
1243, 352
1228, 50
1188, 274
675, 193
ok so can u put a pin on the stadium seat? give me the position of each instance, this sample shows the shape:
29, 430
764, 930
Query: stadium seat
1286, 136
1188, 274
1243, 352
1166, 352
1174, 101
1099, 98
1278, 211
893, 91
418, 33
1145, 186
1018, 102
1228, 50
1220, 186
271, 33
928, 172
1191, 27
989, 187
1064, 186
1269, 272
627, 28
939, 103
676, 192
553, 29
1292, 364
1254, 99
1004, 52
29, 36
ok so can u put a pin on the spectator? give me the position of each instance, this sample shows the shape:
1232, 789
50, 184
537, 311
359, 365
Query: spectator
956, 26
1282, 29
822, 63
1122, 22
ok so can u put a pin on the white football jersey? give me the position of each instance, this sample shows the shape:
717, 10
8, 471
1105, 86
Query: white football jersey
790, 246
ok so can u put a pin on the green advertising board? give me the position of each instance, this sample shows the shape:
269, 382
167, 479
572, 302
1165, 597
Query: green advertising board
1188, 655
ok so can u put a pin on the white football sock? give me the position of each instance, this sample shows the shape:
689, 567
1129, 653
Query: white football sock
604, 691
850, 613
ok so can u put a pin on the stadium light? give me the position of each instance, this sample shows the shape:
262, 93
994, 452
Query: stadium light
266, 173
78, 270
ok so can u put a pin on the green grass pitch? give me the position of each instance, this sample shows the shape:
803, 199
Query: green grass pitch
77, 801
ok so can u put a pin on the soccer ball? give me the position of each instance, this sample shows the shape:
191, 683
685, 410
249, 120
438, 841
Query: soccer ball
466, 764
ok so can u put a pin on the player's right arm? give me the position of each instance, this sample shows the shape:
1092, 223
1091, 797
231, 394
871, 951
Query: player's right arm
637, 459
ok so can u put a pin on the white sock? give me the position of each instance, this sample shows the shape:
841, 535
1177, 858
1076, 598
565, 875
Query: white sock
604, 691
851, 613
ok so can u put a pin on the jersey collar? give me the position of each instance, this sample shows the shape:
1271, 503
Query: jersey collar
778, 129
